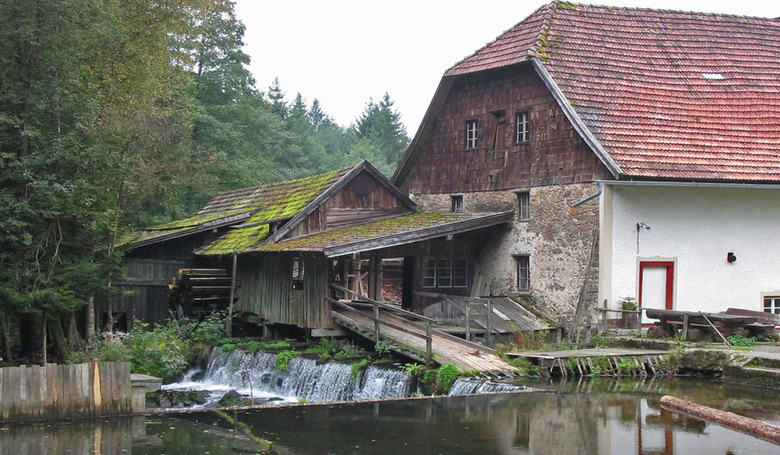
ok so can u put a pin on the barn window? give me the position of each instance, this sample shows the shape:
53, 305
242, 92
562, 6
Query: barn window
772, 304
523, 272
297, 273
471, 134
445, 273
457, 204
524, 205
521, 130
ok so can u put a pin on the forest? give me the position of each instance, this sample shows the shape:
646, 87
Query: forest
120, 114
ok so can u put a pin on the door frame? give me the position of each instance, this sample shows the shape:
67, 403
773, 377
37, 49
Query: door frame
671, 270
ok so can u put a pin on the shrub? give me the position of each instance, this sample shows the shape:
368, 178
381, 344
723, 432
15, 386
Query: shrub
283, 359
357, 366
739, 340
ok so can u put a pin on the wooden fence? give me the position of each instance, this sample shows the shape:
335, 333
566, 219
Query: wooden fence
66, 391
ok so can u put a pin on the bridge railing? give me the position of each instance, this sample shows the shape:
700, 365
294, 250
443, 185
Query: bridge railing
378, 322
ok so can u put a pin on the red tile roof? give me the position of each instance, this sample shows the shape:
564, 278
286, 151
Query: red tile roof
669, 95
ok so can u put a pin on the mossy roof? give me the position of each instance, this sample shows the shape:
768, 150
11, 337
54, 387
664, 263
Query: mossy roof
383, 233
250, 206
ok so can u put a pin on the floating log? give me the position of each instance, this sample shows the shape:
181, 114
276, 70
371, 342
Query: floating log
761, 430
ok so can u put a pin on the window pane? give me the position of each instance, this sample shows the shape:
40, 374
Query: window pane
444, 273
523, 273
523, 205
429, 273
460, 273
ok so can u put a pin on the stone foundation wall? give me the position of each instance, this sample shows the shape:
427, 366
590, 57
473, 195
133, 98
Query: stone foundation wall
557, 237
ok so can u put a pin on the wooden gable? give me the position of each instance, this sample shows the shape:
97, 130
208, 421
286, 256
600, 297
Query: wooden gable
361, 200
553, 154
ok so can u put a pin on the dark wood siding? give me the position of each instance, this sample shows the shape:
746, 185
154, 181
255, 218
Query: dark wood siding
555, 153
362, 200
266, 290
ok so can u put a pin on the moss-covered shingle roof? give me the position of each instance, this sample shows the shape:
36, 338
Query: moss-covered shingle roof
249, 206
386, 233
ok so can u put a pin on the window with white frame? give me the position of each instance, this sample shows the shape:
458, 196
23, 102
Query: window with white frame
457, 203
772, 304
523, 272
445, 273
521, 127
524, 205
471, 134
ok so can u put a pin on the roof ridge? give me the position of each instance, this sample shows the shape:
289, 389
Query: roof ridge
286, 182
501, 35
573, 5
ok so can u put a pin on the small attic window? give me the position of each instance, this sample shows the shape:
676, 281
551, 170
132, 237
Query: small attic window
713, 76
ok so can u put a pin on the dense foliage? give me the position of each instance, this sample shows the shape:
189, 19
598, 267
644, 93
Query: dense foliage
120, 114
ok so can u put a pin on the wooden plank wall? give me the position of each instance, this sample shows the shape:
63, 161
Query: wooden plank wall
266, 290
65, 391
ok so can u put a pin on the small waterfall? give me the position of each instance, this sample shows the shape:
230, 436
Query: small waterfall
305, 378
471, 386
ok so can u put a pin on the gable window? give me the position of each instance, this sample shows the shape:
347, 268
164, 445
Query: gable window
523, 272
297, 273
471, 134
772, 304
445, 273
521, 130
457, 204
524, 205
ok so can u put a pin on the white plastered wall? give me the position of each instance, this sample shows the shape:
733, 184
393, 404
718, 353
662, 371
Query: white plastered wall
695, 227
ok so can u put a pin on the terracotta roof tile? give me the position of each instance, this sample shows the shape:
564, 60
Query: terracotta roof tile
667, 94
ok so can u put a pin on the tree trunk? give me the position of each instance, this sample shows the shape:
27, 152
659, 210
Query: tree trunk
44, 341
59, 342
6, 338
31, 334
75, 342
90, 331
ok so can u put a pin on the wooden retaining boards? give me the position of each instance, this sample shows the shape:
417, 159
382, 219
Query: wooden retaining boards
65, 391
761, 430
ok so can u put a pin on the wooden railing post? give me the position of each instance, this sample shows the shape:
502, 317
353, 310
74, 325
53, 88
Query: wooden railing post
468, 320
376, 323
489, 336
428, 343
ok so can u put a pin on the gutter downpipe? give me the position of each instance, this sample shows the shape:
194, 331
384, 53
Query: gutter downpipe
592, 196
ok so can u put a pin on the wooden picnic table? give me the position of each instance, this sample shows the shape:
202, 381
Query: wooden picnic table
681, 322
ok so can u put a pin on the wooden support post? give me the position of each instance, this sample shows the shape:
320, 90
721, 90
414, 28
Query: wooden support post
489, 335
376, 323
428, 343
639, 322
684, 335
229, 322
468, 321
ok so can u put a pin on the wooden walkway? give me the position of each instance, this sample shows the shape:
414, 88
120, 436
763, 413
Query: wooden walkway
445, 348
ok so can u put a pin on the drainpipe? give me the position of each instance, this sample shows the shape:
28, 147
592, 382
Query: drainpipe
592, 196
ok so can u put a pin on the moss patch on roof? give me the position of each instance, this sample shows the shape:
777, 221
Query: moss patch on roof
285, 201
392, 226
192, 221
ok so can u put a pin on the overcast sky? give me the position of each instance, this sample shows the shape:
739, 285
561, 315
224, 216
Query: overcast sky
344, 52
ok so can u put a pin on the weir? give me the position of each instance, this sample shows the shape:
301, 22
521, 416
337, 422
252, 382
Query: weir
311, 380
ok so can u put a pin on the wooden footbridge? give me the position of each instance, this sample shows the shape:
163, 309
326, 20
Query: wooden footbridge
412, 335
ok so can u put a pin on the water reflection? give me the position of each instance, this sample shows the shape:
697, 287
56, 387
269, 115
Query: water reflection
628, 422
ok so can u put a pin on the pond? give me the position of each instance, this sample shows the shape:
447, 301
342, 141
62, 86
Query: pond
583, 417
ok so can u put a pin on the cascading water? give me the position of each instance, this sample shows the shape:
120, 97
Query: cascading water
471, 386
257, 375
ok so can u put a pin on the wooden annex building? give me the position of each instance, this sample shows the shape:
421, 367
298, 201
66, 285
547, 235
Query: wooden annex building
291, 240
